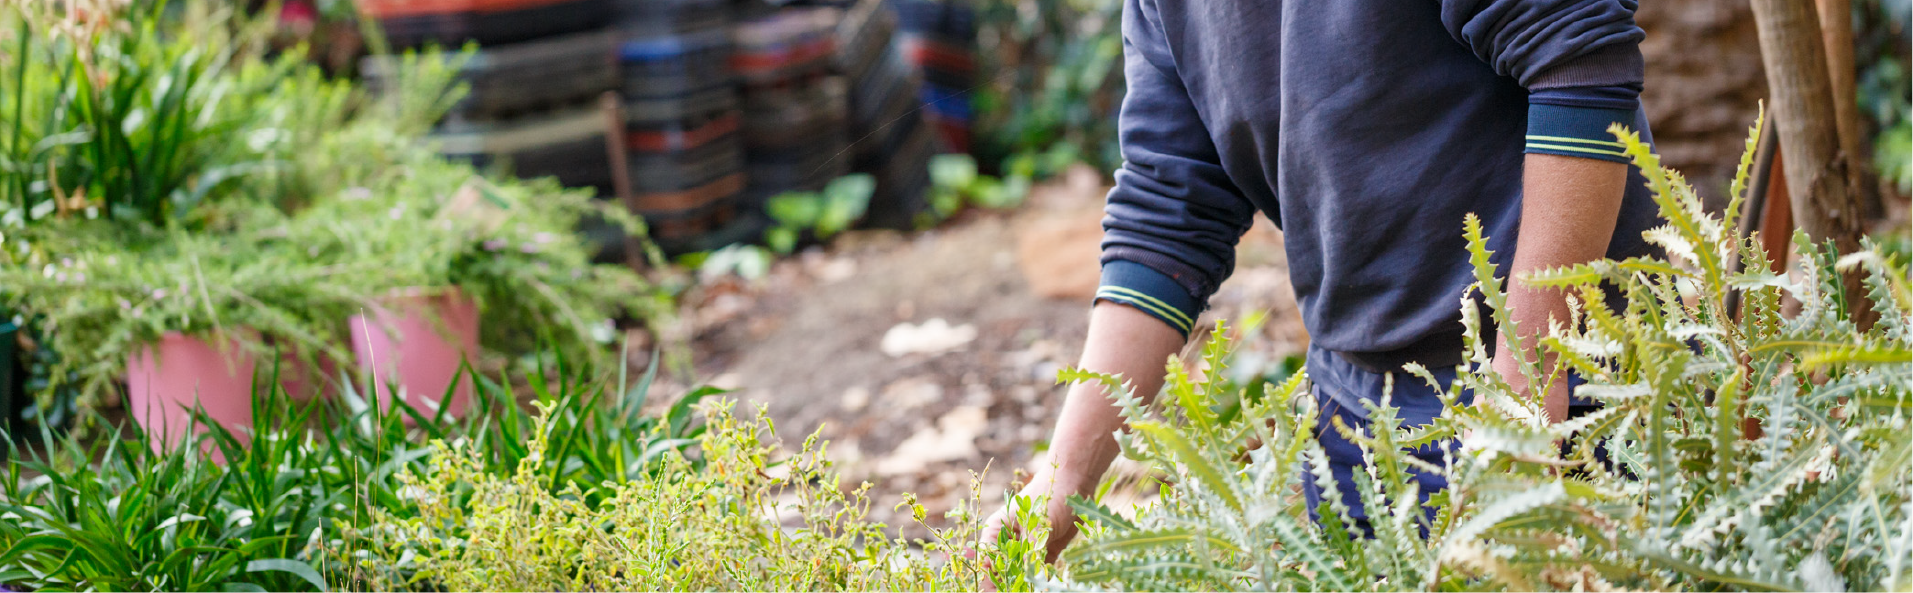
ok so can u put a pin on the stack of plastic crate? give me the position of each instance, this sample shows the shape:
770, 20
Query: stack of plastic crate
939, 41
538, 67
795, 111
891, 141
684, 153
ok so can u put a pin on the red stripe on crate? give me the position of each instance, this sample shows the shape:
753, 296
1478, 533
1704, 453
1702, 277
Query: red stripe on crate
665, 201
744, 62
955, 134
929, 53
404, 8
668, 140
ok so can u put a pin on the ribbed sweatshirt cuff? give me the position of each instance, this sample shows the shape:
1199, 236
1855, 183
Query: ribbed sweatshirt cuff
1151, 292
1576, 131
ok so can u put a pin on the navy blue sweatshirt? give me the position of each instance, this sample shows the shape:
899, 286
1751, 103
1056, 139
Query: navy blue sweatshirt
1366, 129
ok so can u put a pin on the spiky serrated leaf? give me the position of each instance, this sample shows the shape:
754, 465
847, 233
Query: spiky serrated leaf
1866, 354
1094, 511
1192, 457
1503, 509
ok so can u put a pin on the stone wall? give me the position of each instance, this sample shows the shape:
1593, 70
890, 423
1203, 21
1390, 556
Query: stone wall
1704, 80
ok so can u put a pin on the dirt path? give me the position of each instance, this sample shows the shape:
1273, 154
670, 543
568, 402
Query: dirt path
809, 340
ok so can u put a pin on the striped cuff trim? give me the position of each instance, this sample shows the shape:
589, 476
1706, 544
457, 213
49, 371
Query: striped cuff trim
1153, 307
1576, 131
1151, 292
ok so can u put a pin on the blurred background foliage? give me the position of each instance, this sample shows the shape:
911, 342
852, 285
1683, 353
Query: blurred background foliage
1052, 84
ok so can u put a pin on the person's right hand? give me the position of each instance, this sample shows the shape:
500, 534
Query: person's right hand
1061, 519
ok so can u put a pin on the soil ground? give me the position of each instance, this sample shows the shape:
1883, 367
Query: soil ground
807, 340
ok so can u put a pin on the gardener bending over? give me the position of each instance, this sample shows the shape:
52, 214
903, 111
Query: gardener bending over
1365, 129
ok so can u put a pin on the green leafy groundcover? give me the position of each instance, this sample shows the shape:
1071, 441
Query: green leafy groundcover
281, 512
587, 492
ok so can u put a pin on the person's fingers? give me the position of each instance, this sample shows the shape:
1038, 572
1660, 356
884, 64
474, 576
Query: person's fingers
993, 526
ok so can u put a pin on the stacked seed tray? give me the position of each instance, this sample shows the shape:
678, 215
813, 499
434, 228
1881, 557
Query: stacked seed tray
884, 113
453, 23
532, 80
795, 110
939, 42
684, 150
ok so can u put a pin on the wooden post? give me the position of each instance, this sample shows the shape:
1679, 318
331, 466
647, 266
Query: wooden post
1836, 32
612, 105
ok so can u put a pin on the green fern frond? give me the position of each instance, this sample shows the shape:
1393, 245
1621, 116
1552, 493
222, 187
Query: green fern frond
1863, 354
1805, 521
1887, 287
1567, 276
1143, 540
1488, 283
1688, 222
1504, 508
1746, 502
1737, 190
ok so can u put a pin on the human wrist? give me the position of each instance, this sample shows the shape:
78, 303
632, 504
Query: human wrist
1058, 479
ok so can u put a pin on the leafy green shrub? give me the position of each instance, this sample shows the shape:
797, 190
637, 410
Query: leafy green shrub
508, 244
103, 292
1748, 451
1052, 83
752, 520
115, 515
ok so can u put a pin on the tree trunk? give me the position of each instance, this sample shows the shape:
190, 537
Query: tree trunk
1803, 113
1836, 31
1795, 59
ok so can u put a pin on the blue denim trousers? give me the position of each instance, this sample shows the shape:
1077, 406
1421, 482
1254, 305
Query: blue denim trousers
1341, 386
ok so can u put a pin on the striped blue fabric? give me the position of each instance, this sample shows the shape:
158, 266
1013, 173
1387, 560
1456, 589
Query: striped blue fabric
1576, 131
1151, 292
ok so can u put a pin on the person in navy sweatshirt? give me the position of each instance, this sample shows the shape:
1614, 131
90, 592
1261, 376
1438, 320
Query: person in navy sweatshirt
1366, 130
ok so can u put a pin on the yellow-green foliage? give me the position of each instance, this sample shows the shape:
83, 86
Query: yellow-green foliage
751, 520
1820, 499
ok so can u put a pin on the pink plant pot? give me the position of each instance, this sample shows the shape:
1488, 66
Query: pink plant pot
413, 343
305, 381
168, 380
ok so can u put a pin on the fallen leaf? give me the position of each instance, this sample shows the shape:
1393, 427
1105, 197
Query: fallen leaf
933, 337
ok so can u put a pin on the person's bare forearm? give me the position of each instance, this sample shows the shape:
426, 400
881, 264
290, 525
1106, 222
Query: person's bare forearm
1568, 212
1122, 341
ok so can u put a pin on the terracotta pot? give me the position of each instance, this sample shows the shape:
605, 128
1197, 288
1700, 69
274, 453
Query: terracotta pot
167, 380
412, 345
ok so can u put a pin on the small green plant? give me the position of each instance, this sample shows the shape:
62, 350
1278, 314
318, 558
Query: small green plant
955, 183
820, 214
